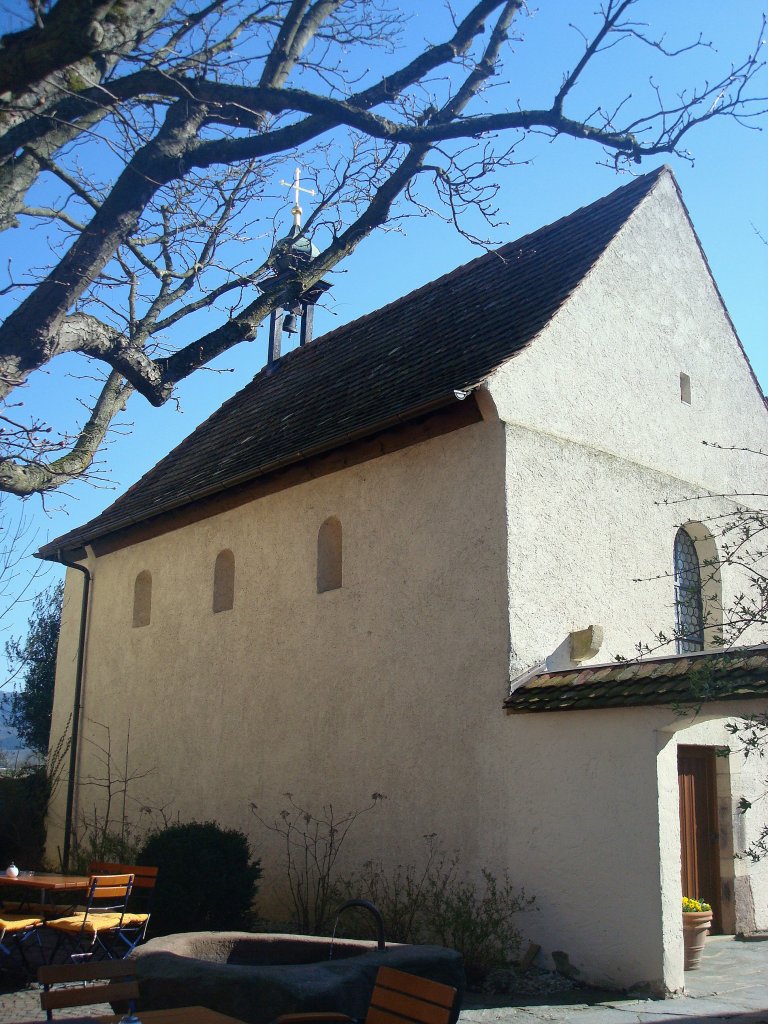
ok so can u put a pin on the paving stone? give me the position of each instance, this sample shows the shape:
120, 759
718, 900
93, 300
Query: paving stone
732, 982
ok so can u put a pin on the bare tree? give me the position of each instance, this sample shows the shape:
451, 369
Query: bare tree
17, 581
143, 139
741, 537
739, 531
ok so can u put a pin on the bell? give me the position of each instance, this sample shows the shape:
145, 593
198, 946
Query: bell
290, 326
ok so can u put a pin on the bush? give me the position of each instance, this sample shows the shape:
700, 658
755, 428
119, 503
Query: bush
478, 919
24, 797
31, 706
96, 840
206, 881
312, 843
434, 903
23, 805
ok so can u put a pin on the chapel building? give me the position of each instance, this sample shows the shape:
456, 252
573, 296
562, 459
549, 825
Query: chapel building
406, 557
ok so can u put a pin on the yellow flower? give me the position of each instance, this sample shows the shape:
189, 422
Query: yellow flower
694, 906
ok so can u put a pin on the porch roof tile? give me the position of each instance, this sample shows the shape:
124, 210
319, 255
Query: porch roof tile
678, 679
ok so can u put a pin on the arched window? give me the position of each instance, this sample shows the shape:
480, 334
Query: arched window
142, 599
329, 555
224, 581
689, 609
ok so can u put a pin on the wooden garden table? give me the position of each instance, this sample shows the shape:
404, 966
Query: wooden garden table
45, 882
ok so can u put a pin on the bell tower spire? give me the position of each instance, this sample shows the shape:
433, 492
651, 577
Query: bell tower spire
291, 252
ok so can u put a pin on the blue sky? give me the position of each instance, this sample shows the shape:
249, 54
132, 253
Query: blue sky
724, 189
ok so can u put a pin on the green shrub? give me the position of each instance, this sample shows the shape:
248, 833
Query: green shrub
478, 919
207, 880
100, 842
434, 903
24, 797
23, 805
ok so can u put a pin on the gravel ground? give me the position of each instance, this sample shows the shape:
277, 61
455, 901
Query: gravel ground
534, 982
24, 1005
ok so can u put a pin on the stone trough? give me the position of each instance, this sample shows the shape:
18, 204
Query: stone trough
258, 976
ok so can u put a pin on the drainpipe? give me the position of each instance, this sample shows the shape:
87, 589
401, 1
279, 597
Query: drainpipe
76, 705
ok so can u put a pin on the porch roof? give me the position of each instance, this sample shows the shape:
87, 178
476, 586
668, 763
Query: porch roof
677, 679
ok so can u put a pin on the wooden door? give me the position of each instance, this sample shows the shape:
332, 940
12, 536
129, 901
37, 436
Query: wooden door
699, 839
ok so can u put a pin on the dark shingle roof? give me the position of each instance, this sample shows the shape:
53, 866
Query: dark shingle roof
684, 679
385, 367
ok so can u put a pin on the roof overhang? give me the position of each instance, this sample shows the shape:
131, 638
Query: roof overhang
678, 680
438, 417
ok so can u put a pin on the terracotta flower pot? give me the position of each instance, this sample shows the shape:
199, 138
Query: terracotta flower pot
695, 928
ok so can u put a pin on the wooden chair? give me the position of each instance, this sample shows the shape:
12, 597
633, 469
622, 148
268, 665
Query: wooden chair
96, 928
136, 918
15, 929
124, 985
397, 998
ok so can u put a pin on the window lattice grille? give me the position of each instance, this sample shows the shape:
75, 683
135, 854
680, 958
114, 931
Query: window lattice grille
689, 614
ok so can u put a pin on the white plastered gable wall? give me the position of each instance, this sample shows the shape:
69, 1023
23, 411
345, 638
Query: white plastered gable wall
595, 428
598, 442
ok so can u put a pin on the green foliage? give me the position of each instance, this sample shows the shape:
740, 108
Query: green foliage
24, 798
400, 895
429, 903
23, 803
95, 841
435, 903
312, 844
207, 880
31, 706
478, 919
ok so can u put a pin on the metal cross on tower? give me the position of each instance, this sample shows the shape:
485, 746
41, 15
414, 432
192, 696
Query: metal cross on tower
290, 253
297, 210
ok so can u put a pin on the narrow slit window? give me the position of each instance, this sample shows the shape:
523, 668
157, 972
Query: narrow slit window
329, 555
142, 599
224, 582
685, 389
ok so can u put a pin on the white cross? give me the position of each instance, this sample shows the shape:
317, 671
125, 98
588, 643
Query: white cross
297, 210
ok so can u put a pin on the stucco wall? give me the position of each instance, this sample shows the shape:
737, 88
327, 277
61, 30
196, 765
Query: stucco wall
387, 684
590, 541
605, 372
598, 438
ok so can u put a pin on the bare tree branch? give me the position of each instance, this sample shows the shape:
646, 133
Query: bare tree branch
151, 136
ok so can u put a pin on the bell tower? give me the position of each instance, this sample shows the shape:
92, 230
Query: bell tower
293, 251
